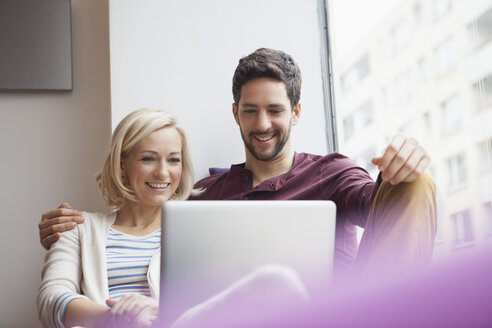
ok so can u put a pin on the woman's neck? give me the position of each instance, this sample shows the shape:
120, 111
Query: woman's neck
137, 219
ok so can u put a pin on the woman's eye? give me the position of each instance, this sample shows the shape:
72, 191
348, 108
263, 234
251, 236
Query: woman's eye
175, 160
147, 159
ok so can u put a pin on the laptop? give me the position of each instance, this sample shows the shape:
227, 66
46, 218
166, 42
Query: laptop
208, 245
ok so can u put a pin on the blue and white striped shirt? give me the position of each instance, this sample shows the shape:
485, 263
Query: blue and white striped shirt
128, 259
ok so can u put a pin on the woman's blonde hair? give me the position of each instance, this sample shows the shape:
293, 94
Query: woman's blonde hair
133, 128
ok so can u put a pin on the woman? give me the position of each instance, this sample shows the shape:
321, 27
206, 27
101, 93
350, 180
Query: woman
105, 272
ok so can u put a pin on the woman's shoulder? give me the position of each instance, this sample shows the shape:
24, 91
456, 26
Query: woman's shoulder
97, 219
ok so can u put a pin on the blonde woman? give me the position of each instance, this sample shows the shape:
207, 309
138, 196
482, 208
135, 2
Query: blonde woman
105, 272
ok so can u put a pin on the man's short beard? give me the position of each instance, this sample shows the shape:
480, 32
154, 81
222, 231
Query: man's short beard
266, 157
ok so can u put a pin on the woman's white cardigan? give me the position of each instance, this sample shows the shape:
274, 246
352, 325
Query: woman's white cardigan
76, 263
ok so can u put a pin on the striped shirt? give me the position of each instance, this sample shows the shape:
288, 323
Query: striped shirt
128, 259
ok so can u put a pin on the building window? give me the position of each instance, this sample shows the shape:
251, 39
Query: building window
364, 160
441, 8
446, 57
482, 94
485, 156
487, 210
452, 118
409, 129
358, 119
348, 127
355, 74
480, 30
417, 12
423, 69
457, 171
427, 124
403, 87
400, 35
463, 229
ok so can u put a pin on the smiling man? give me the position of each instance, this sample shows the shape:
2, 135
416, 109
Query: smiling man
398, 210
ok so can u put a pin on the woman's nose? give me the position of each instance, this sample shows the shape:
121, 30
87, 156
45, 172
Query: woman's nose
162, 171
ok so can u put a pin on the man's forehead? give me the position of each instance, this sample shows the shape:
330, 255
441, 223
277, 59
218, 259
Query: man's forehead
264, 88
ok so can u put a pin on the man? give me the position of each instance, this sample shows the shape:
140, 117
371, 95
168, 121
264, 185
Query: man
398, 210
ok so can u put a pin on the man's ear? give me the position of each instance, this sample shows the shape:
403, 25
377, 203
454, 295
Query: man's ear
296, 113
235, 113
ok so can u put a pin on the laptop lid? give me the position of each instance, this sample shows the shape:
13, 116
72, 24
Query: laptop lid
208, 245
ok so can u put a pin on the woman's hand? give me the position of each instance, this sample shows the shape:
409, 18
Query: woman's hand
133, 311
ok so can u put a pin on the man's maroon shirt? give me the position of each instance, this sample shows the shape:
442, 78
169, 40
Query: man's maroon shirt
312, 177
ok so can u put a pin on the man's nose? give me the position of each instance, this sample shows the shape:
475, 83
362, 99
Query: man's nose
263, 122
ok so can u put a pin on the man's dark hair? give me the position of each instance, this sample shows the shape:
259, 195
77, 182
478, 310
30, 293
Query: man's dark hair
270, 63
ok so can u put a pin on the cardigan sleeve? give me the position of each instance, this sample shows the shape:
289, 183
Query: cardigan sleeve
60, 279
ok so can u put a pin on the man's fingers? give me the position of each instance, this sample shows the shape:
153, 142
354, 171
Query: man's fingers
46, 223
399, 161
408, 171
60, 212
390, 152
421, 166
56, 228
49, 240
65, 205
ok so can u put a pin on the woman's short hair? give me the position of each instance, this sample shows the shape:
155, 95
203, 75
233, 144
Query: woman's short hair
133, 128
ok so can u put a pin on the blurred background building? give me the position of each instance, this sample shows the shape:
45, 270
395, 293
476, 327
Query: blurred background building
426, 70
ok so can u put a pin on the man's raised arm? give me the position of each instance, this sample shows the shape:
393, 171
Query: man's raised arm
56, 221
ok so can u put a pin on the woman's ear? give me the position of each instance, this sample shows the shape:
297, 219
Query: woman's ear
123, 169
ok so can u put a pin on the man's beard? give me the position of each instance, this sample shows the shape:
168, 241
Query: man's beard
265, 157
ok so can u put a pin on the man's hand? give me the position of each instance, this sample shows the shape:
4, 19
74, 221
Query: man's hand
134, 311
56, 221
404, 160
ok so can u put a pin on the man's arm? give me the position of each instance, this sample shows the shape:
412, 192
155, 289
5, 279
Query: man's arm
404, 160
56, 221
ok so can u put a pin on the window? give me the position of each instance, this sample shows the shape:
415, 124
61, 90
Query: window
360, 118
452, 120
348, 127
446, 57
423, 68
457, 171
441, 8
403, 87
427, 123
364, 160
400, 36
480, 30
463, 229
356, 73
429, 75
410, 129
482, 94
485, 156
487, 210
417, 12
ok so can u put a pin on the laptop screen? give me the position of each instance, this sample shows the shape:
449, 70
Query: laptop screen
209, 245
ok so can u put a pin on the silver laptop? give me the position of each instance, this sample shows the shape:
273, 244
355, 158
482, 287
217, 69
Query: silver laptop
208, 245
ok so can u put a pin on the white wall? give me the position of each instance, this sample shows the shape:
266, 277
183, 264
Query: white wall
51, 144
181, 55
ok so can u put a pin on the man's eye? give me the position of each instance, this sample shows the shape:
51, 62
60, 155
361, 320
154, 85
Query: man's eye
249, 111
275, 111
